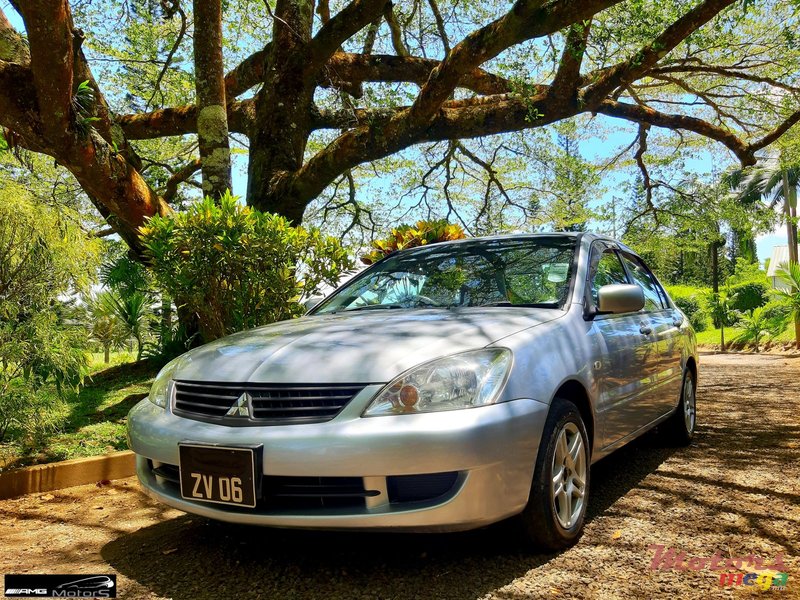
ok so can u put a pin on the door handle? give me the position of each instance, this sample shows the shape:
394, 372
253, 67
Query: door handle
645, 329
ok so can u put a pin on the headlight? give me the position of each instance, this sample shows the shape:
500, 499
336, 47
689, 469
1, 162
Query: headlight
463, 380
160, 389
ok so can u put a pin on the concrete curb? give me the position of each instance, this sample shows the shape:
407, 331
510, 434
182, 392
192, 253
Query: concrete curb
54, 476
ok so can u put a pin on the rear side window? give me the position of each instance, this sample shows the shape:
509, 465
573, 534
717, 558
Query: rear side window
609, 271
642, 277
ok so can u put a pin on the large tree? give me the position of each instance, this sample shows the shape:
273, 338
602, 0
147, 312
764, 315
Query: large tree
306, 100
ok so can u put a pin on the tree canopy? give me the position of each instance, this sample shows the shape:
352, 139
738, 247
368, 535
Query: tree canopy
115, 92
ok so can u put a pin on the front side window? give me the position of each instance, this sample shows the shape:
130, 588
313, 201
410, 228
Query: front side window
504, 272
642, 277
609, 271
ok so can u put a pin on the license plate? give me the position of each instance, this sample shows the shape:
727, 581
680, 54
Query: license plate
219, 474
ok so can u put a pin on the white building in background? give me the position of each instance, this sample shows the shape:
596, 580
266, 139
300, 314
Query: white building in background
780, 258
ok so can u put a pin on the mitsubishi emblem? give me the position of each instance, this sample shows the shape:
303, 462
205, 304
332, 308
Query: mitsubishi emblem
240, 408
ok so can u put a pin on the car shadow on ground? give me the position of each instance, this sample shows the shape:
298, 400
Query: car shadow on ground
192, 557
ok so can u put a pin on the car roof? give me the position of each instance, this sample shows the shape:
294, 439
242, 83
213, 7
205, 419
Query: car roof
579, 236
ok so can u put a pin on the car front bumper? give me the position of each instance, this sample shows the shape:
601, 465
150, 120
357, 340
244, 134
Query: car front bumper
490, 451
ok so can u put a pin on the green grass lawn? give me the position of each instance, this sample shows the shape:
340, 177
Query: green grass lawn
710, 337
90, 422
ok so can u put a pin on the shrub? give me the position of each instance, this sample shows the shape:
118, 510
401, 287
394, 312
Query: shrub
688, 304
699, 320
235, 267
745, 297
778, 310
688, 299
411, 236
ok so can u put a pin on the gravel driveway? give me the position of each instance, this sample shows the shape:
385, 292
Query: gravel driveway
735, 492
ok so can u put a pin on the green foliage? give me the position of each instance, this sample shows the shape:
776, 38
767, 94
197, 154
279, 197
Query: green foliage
411, 236
131, 312
790, 297
757, 325
778, 310
719, 308
43, 257
746, 272
688, 304
124, 275
690, 300
235, 267
748, 296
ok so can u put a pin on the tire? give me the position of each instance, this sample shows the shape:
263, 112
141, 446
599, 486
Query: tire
679, 429
553, 519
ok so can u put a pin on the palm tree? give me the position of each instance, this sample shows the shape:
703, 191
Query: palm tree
720, 310
757, 325
132, 310
107, 331
791, 276
775, 182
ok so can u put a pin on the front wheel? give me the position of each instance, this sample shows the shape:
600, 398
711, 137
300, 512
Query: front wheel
554, 516
678, 430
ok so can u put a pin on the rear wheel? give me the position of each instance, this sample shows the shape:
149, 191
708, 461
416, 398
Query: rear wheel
678, 430
556, 510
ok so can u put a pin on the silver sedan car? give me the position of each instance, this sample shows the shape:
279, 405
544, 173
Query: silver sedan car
445, 388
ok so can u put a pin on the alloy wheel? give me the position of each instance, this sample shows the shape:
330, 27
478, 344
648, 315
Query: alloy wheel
568, 486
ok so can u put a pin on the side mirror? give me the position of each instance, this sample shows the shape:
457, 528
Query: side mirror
312, 301
620, 298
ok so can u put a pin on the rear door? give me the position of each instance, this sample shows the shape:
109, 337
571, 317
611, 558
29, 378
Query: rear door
624, 351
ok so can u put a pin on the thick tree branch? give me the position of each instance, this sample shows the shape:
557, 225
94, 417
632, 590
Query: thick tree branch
248, 73
440, 26
773, 135
181, 120
180, 176
641, 114
528, 19
341, 27
50, 32
604, 81
567, 76
358, 68
395, 31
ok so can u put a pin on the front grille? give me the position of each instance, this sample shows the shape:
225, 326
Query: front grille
297, 493
269, 402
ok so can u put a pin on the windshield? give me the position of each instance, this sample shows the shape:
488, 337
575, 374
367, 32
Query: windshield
503, 272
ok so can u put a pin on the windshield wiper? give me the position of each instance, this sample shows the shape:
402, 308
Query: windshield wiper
522, 304
372, 307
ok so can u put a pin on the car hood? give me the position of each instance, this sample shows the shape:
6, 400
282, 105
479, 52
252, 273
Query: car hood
361, 347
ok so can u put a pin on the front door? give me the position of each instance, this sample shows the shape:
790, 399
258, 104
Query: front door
626, 351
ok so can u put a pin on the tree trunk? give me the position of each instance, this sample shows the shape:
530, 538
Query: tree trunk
715, 267
107, 354
166, 320
283, 115
797, 333
789, 213
722, 337
212, 120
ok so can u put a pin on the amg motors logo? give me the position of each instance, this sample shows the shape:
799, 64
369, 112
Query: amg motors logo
61, 586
